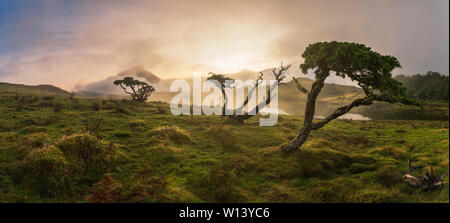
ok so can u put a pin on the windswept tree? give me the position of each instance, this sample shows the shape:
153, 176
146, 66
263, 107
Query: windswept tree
371, 71
223, 82
279, 76
138, 90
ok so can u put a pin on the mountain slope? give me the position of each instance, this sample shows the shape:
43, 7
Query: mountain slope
140, 72
106, 85
42, 89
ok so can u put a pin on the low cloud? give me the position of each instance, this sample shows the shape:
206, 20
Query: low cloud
68, 44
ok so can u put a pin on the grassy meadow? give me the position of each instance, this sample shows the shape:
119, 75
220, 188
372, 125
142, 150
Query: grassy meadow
69, 149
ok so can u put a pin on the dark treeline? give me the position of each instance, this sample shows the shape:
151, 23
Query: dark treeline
431, 86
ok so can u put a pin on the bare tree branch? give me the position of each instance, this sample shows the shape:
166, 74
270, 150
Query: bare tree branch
299, 86
279, 76
341, 111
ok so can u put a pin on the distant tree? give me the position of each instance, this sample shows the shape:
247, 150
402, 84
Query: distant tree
222, 79
430, 86
140, 90
371, 71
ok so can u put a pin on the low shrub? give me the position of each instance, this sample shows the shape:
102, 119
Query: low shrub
48, 98
28, 99
57, 107
163, 110
95, 106
43, 104
121, 110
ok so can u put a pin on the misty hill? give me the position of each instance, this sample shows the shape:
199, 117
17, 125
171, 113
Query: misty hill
140, 73
290, 99
42, 89
106, 86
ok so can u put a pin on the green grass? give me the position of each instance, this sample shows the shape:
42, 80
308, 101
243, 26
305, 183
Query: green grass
166, 158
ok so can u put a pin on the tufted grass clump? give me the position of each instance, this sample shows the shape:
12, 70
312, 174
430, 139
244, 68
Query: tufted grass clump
362, 159
172, 133
76, 160
226, 137
36, 140
93, 157
388, 176
221, 184
48, 171
361, 168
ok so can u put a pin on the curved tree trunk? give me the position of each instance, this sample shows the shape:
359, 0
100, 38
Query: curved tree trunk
225, 101
309, 116
308, 124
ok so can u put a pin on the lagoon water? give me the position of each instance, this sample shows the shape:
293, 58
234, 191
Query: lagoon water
273, 111
348, 116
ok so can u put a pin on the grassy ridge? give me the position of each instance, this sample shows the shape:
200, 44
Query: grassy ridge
90, 150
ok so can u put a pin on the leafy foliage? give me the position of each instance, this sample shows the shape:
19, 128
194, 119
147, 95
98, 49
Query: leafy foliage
430, 86
371, 70
140, 90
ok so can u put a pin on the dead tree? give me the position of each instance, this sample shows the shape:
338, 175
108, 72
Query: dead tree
369, 69
428, 181
279, 77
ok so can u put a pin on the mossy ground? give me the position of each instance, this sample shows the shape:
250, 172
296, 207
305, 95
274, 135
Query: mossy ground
210, 159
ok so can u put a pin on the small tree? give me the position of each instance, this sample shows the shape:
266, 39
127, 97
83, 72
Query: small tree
371, 70
223, 84
140, 90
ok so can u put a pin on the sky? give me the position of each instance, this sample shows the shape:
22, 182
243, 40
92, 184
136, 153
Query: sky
68, 43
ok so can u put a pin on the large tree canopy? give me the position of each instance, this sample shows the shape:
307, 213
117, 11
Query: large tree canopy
140, 90
371, 70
